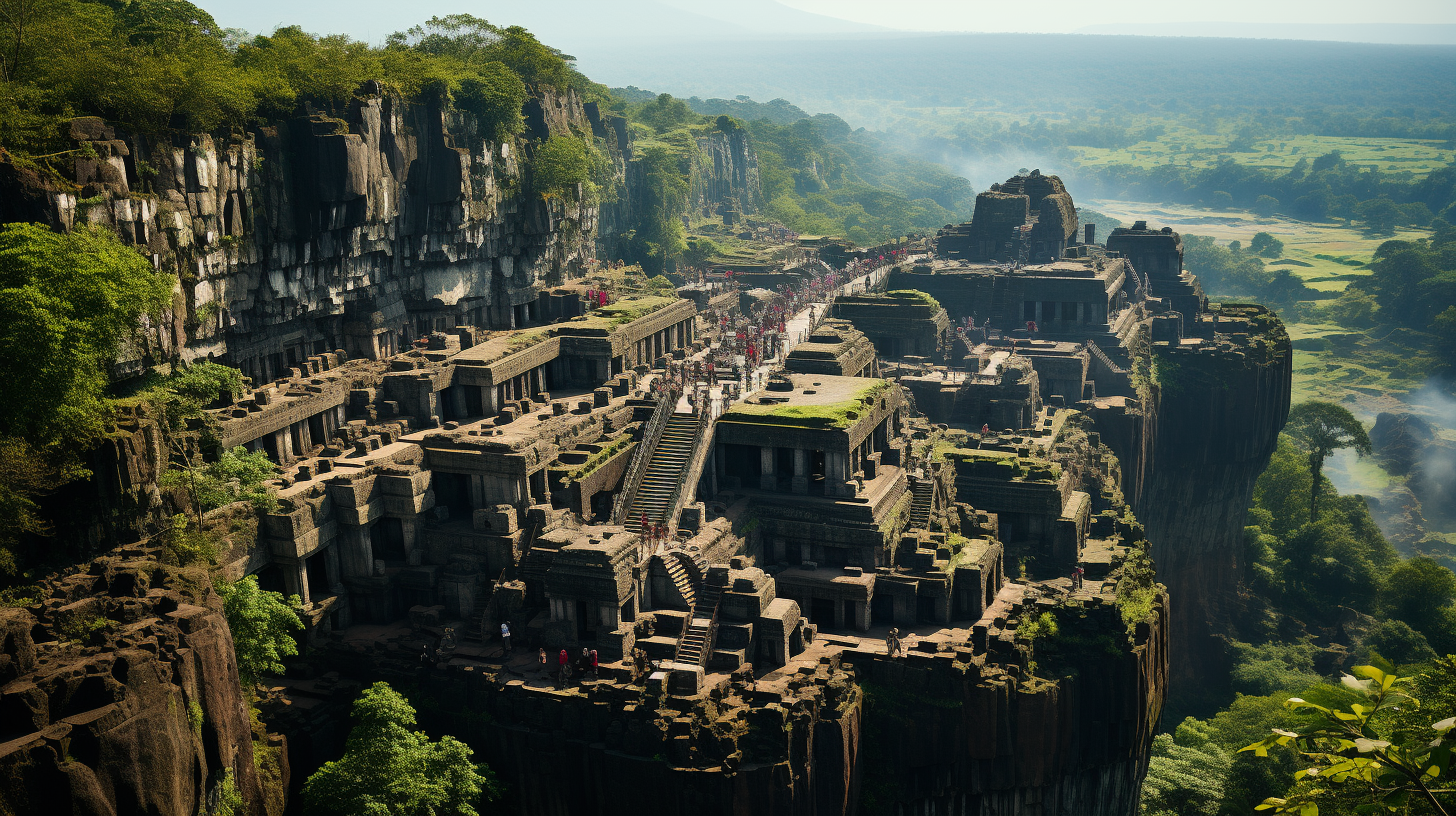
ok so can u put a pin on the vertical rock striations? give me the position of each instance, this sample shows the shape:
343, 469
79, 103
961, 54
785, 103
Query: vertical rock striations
291, 238
119, 694
1212, 418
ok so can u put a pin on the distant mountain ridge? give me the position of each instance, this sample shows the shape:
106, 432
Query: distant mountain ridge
1040, 72
1382, 33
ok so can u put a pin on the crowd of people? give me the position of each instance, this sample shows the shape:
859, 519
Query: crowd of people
739, 344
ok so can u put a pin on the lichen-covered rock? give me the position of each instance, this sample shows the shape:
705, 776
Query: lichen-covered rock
279, 236
120, 695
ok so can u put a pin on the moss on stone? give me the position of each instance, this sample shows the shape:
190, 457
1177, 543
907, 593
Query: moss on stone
917, 295
841, 414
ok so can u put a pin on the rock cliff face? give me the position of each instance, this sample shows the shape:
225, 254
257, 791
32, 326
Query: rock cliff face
355, 228
1211, 423
317, 232
722, 173
933, 732
1074, 745
119, 695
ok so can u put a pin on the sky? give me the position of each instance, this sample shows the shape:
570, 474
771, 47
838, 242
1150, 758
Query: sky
1066, 16
591, 22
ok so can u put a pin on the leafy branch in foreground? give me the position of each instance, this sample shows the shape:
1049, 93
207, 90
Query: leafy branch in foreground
1362, 748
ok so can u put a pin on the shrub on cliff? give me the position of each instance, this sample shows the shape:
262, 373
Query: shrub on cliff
494, 94
66, 302
262, 624
390, 769
561, 163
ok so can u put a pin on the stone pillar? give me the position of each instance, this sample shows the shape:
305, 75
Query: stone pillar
412, 551
800, 482
331, 565
295, 580
836, 474
767, 478
356, 552
304, 435
1038, 313
488, 402
457, 401
862, 616
283, 443
477, 492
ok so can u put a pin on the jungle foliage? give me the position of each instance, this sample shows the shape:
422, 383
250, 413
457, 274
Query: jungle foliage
389, 768
160, 65
67, 302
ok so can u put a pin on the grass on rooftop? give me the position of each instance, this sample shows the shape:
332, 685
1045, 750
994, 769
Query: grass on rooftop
840, 414
915, 294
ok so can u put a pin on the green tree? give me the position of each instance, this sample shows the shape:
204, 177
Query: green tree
1322, 428
237, 475
1186, 773
390, 769
495, 95
1360, 747
1379, 214
1282, 487
700, 250
262, 623
1420, 592
1354, 308
1267, 245
1444, 327
561, 163
66, 302
666, 187
1266, 205
25, 474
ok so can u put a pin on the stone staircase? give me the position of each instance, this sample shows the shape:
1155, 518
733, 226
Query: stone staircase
664, 472
680, 578
697, 641
923, 492
1104, 359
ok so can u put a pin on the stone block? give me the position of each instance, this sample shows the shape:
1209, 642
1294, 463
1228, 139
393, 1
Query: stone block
422, 617
501, 520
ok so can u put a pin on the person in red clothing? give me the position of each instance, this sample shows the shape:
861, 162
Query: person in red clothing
563, 662
594, 664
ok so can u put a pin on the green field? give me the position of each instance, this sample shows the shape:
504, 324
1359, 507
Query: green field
1366, 371
1326, 256
1185, 147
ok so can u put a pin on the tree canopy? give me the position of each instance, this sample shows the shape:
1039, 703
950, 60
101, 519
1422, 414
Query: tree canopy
390, 769
66, 302
1323, 428
262, 623
155, 65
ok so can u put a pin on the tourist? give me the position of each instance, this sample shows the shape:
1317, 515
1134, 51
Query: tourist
892, 643
1077, 576
506, 637
594, 664
563, 667
543, 661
